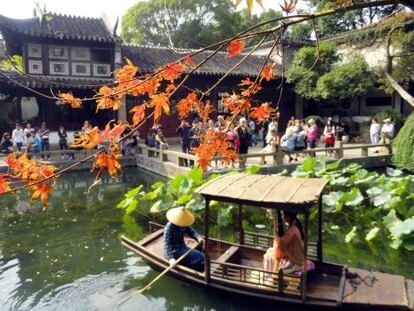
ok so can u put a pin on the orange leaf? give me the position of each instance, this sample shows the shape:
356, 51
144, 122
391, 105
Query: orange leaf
204, 110
246, 82
161, 104
108, 100
235, 47
173, 71
42, 190
89, 139
127, 72
268, 72
4, 185
139, 113
261, 113
188, 61
110, 162
186, 105
12, 161
214, 144
236, 104
117, 131
69, 99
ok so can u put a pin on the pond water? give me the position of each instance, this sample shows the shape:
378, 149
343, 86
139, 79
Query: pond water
71, 258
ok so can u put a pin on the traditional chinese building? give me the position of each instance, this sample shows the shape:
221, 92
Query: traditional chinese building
62, 53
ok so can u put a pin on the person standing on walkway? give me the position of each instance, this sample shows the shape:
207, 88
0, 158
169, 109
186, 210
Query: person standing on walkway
252, 127
374, 132
18, 137
44, 136
160, 140
243, 136
265, 130
37, 142
28, 130
329, 135
387, 131
313, 135
63, 141
184, 131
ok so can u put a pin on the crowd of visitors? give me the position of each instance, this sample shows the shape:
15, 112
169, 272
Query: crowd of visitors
299, 135
35, 140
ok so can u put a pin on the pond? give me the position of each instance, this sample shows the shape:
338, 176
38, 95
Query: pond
70, 257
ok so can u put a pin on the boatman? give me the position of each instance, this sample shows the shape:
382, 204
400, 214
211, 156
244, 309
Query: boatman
179, 226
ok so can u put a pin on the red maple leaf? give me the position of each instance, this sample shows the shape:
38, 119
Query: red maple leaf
139, 113
173, 71
108, 99
161, 104
234, 48
268, 72
262, 112
4, 185
188, 61
41, 190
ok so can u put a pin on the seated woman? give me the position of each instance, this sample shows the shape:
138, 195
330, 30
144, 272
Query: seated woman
288, 143
287, 253
179, 224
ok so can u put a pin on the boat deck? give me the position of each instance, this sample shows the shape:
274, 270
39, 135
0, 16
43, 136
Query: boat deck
327, 285
385, 290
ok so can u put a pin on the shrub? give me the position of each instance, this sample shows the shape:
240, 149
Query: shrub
403, 146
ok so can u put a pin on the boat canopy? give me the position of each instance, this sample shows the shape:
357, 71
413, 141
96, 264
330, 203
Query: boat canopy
285, 193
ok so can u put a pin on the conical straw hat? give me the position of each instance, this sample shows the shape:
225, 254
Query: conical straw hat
180, 216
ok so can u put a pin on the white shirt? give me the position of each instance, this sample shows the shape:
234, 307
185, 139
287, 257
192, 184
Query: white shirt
375, 129
18, 135
388, 128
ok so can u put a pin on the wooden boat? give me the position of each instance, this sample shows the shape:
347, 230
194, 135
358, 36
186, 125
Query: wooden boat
238, 267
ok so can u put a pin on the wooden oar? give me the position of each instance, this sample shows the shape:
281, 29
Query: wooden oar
161, 274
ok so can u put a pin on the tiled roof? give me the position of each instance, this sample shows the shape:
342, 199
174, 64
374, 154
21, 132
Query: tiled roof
42, 81
148, 58
57, 26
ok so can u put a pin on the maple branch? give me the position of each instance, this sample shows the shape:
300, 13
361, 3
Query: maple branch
233, 68
68, 168
318, 52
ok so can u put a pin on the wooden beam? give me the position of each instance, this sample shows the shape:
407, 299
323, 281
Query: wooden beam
240, 224
305, 260
206, 241
319, 246
400, 90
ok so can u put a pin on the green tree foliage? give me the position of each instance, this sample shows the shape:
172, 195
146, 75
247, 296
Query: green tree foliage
326, 80
186, 23
402, 66
13, 63
346, 80
356, 19
403, 144
298, 73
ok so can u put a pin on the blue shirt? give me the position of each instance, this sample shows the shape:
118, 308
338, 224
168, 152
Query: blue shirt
36, 143
174, 238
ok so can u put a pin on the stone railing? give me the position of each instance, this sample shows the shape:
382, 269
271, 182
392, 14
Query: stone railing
181, 159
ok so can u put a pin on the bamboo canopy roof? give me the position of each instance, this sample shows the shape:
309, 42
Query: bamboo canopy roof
285, 193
